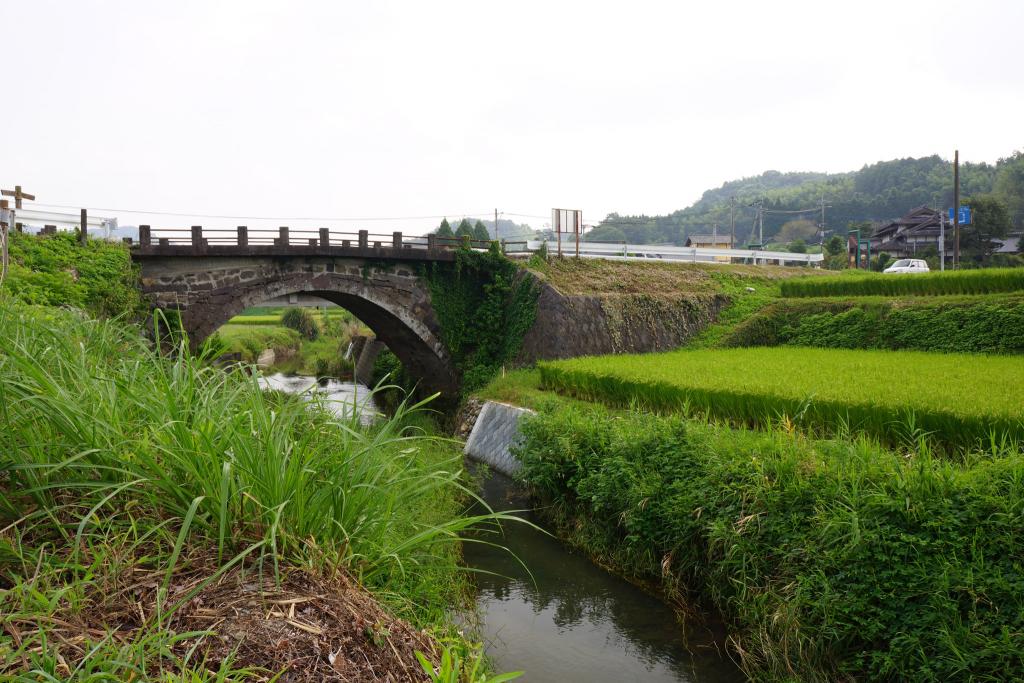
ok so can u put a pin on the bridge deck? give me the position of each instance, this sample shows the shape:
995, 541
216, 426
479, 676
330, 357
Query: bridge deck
405, 253
284, 242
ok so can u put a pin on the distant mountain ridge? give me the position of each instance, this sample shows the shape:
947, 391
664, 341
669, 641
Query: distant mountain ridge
877, 192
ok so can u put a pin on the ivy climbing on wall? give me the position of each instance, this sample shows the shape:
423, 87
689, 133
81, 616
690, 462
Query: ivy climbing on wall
485, 305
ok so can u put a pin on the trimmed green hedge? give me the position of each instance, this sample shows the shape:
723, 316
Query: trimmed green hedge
987, 324
984, 281
830, 560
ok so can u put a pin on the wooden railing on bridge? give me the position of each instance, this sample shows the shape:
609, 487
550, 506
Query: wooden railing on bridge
285, 241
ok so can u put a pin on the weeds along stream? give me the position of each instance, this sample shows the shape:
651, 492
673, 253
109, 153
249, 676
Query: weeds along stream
133, 483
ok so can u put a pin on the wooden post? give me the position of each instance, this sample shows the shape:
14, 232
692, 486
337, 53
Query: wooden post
431, 243
325, 237
243, 235
84, 233
364, 239
197, 236
282, 236
396, 240
4, 232
145, 235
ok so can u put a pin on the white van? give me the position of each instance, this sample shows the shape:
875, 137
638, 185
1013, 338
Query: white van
908, 265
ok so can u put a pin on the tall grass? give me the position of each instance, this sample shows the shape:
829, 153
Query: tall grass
962, 400
98, 431
984, 281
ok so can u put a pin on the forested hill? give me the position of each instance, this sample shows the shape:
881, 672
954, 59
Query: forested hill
878, 192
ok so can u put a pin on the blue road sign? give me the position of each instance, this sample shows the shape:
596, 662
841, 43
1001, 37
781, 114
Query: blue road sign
965, 215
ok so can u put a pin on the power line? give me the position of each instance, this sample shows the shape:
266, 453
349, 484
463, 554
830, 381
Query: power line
268, 218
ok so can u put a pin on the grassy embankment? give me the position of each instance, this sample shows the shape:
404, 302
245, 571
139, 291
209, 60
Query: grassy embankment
143, 499
831, 558
162, 520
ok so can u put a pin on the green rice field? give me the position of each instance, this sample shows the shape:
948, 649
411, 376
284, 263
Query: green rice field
855, 283
272, 316
960, 400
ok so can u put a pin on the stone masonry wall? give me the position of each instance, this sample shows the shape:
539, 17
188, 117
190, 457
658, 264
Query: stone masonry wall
568, 326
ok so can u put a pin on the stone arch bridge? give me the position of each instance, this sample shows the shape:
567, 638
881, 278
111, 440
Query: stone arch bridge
211, 278
209, 282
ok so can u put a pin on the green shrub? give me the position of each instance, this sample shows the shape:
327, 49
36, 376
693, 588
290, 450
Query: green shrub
302, 321
831, 560
983, 324
252, 341
57, 270
855, 283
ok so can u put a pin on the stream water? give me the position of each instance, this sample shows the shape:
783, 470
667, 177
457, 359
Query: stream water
560, 618
340, 396
568, 620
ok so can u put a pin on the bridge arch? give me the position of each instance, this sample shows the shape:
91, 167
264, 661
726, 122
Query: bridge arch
390, 299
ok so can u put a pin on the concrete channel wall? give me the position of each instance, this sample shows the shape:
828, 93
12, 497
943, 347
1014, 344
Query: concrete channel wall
494, 433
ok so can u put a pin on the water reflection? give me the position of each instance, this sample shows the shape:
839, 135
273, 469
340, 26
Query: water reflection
341, 397
575, 622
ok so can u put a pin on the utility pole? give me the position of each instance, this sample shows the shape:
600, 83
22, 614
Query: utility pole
732, 222
956, 210
760, 224
6, 217
495, 224
823, 222
942, 241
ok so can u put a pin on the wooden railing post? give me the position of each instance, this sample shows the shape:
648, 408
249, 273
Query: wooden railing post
83, 235
364, 239
282, 236
325, 237
243, 235
396, 240
197, 236
145, 236
431, 243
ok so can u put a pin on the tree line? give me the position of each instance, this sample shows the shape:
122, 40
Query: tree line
876, 193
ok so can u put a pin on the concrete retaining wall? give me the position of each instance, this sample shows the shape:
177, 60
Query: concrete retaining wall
495, 431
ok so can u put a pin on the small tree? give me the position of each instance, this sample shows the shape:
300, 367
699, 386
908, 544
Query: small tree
990, 220
445, 229
835, 254
798, 246
465, 229
480, 232
302, 321
799, 229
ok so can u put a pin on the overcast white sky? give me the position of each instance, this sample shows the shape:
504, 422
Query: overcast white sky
349, 109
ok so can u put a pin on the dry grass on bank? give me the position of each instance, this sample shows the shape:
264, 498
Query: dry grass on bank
573, 276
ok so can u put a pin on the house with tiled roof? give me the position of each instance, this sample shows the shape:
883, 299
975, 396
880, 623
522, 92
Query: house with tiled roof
907, 236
